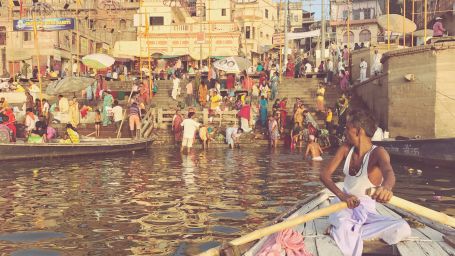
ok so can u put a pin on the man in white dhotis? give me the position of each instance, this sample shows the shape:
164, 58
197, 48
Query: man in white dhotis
365, 166
376, 68
189, 130
363, 70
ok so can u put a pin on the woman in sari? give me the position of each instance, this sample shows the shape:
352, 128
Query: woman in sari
290, 69
177, 126
203, 94
263, 111
145, 92
320, 93
108, 100
283, 112
71, 136
74, 113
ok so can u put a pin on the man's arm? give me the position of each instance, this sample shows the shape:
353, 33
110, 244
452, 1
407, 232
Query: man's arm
384, 192
326, 177
307, 151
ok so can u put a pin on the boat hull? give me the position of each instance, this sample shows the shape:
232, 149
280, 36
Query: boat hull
429, 151
56, 150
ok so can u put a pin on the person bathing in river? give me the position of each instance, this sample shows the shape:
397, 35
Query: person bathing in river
366, 166
314, 149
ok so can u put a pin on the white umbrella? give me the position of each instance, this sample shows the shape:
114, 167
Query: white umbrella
69, 85
98, 61
232, 64
394, 23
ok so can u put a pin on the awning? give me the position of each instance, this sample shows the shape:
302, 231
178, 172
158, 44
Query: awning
169, 56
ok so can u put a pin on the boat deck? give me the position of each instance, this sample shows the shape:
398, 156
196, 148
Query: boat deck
424, 240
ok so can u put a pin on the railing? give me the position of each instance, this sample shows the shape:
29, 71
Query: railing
164, 117
148, 123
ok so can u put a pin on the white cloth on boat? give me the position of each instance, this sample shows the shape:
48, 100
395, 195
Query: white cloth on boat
351, 226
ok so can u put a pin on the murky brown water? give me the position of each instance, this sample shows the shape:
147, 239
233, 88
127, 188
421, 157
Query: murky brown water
162, 203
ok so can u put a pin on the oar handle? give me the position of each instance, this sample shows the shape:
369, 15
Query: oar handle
418, 209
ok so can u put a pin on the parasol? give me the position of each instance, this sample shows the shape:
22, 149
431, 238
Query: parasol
396, 23
98, 61
232, 64
69, 85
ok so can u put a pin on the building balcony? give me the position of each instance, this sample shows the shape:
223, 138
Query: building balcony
249, 14
352, 22
219, 27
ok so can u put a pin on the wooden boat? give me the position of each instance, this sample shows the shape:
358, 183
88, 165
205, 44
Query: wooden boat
428, 237
429, 151
14, 151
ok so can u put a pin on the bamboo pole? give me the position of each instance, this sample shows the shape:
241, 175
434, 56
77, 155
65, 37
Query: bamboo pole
388, 25
35, 39
210, 38
425, 23
124, 113
281, 48
404, 19
412, 33
349, 26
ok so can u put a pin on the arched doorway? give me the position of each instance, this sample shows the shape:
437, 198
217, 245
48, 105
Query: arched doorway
365, 36
345, 37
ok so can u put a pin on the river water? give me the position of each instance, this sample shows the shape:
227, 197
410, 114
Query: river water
163, 203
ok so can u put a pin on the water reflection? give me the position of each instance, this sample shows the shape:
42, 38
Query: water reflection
164, 203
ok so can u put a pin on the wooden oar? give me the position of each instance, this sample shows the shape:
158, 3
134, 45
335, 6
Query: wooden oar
396, 201
257, 234
418, 209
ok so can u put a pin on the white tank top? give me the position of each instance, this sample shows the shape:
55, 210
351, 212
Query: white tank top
359, 183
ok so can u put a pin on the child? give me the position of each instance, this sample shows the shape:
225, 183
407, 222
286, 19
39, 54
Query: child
203, 134
314, 148
296, 136
97, 122
328, 120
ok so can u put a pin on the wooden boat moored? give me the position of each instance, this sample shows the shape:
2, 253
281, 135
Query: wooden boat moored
15, 151
427, 238
428, 151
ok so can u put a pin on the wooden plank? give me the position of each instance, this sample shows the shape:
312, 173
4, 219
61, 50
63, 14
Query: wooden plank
446, 230
324, 243
303, 210
410, 248
310, 242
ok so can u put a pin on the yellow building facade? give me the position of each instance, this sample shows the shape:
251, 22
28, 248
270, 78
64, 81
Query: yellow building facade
202, 28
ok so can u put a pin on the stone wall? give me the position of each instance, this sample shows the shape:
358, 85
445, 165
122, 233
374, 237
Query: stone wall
445, 93
411, 103
375, 96
356, 58
424, 106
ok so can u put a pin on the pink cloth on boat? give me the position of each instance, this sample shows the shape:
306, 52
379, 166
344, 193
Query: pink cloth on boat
289, 240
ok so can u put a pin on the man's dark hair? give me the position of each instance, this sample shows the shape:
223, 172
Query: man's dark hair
360, 118
191, 114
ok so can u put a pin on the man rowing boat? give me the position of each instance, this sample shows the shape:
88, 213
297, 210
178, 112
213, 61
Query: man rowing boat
366, 166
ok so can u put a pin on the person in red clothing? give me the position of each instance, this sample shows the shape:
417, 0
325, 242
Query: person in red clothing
230, 81
11, 123
283, 112
247, 84
438, 29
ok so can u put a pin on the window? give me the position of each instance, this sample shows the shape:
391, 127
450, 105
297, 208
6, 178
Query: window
122, 24
365, 36
266, 14
367, 14
345, 15
223, 12
296, 18
91, 23
2, 35
356, 14
254, 32
247, 32
261, 34
27, 36
156, 21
